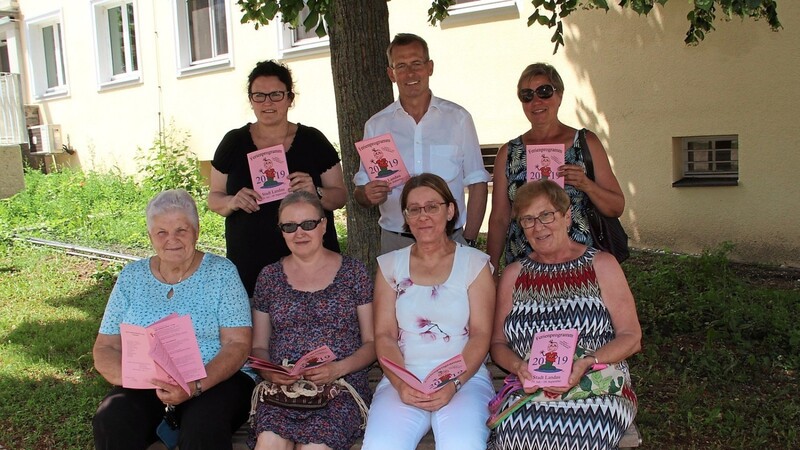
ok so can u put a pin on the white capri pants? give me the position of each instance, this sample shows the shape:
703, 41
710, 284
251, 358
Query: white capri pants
459, 425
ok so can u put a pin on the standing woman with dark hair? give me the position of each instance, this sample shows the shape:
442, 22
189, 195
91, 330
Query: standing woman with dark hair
251, 237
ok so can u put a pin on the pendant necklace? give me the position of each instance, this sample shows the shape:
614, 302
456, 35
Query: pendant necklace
171, 291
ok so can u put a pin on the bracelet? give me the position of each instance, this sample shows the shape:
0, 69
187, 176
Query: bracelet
472, 242
457, 382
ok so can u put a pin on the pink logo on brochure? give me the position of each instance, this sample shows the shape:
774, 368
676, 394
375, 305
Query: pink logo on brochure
270, 173
382, 160
543, 161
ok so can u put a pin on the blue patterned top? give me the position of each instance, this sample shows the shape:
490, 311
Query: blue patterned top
213, 296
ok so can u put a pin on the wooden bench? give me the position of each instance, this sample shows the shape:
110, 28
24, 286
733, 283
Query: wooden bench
630, 440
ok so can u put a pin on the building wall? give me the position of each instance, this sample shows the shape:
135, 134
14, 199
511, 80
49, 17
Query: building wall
629, 78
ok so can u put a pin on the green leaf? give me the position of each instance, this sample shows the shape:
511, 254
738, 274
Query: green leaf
705, 5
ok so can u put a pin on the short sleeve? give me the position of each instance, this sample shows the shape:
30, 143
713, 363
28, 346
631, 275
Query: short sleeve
477, 260
234, 305
387, 263
362, 283
117, 304
265, 287
224, 154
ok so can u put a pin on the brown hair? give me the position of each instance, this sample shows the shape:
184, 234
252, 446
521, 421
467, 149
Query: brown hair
402, 39
436, 183
536, 69
529, 192
298, 197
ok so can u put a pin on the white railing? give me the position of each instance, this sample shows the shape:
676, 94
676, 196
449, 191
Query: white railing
12, 114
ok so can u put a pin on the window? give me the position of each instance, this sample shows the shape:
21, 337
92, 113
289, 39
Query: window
709, 161
203, 29
299, 41
481, 7
46, 56
115, 42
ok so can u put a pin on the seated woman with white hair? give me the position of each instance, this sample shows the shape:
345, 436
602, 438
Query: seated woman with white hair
178, 279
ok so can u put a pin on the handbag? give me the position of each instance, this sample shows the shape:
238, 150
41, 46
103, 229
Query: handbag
607, 232
610, 380
304, 395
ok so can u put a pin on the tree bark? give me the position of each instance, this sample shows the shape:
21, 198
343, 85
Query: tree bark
359, 35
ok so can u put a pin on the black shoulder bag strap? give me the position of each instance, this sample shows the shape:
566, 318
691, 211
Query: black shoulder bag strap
587, 155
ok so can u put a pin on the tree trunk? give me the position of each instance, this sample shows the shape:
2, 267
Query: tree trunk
359, 35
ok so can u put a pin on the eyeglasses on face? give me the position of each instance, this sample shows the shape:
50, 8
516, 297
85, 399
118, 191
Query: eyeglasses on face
261, 97
544, 91
429, 208
543, 218
307, 225
414, 66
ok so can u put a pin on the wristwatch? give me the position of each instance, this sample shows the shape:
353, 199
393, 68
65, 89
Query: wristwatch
457, 382
319, 192
472, 242
198, 389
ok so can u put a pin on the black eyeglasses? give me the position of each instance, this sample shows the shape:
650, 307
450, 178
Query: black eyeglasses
308, 225
543, 218
261, 97
544, 91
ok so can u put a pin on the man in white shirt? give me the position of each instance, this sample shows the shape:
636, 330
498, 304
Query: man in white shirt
432, 135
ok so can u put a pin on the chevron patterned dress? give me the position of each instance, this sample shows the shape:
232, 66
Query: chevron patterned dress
552, 297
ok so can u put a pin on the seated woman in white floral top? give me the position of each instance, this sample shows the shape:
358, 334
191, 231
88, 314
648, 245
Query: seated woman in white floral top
433, 300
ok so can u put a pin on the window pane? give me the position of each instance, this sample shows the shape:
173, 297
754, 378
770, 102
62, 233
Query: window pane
220, 27
50, 57
199, 29
132, 38
115, 30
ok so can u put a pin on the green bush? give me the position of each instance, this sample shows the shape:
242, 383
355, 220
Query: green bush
169, 164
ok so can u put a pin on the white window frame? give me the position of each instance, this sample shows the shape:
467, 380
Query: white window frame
692, 172
105, 70
290, 46
36, 56
185, 65
481, 8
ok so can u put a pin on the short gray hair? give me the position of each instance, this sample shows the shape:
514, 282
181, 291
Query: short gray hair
172, 200
301, 197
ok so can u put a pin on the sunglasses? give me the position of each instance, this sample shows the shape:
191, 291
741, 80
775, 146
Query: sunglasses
544, 91
307, 225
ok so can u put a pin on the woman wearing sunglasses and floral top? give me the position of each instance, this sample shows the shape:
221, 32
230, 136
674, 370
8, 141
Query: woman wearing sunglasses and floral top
540, 91
310, 298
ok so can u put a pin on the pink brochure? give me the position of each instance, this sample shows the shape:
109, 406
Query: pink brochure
543, 162
436, 379
314, 358
382, 160
270, 173
552, 353
166, 350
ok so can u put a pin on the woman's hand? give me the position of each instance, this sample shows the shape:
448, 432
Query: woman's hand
440, 398
574, 176
170, 394
413, 397
579, 369
324, 374
520, 369
278, 378
246, 200
301, 181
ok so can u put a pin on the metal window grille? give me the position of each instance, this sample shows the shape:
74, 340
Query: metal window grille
12, 115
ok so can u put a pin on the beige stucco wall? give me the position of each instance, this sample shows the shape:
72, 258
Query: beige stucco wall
629, 78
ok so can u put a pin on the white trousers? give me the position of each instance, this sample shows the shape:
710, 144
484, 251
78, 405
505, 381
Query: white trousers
459, 425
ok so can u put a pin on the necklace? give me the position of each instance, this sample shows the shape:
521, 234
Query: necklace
171, 291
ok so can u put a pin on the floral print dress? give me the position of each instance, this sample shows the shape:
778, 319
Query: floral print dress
433, 321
